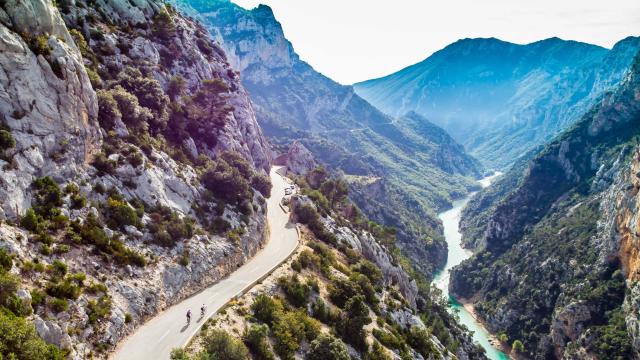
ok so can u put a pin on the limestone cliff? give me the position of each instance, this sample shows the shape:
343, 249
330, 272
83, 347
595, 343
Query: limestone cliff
120, 121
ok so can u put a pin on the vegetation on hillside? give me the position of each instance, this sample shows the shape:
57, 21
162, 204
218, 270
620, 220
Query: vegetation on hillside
332, 298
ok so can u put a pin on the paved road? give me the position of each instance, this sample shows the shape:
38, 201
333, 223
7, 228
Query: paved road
168, 330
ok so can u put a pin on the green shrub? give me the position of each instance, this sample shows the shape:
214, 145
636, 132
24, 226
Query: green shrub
308, 259
324, 313
388, 339
168, 227
20, 340
287, 336
58, 269
226, 182
266, 309
46, 250
295, 265
91, 232
133, 115
163, 26
108, 111
205, 112
297, 293
128, 318
236, 160
184, 258
59, 305
6, 140
179, 354
30, 220
64, 289
104, 165
39, 45
420, 341
365, 288
341, 290
150, 95
47, 197
176, 87
38, 298
61, 249
219, 345
121, 214
78, 201
378, 353
309, 216
327, 347
95, 288
256, 340
355, 317
219, 226
78, 278
370, 270
8, 286
99, 309
6, 261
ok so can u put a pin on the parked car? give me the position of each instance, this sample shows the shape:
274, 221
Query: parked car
287, 191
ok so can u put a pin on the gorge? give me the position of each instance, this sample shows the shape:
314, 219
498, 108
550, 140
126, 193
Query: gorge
138, 146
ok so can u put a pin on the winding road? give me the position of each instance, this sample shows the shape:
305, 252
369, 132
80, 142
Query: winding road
168, 330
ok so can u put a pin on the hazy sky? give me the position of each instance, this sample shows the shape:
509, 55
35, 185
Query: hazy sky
354, 40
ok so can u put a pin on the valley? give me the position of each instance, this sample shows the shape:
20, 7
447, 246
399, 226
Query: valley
157, 156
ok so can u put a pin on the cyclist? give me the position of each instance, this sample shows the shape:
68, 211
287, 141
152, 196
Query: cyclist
188, 316
202, 310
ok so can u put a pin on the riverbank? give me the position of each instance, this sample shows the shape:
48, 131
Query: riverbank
493, 339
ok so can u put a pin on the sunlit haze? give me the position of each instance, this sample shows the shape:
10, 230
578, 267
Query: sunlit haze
355, 40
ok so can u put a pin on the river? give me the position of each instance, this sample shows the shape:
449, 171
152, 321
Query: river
450, 221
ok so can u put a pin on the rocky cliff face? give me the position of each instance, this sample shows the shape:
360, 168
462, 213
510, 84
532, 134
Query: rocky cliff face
298, 159
342, 131
43, 110
557, 257
118, 120
516, 97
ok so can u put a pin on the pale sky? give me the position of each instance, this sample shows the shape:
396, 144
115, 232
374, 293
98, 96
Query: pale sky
355, 40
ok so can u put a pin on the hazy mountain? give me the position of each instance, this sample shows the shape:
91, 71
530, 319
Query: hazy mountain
402, 171
500, 99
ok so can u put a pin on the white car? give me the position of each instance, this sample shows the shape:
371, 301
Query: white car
287, 191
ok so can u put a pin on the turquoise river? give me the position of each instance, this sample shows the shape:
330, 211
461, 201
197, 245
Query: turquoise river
451, 220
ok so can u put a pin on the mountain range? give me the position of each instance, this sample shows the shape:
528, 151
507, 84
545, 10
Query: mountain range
500, 99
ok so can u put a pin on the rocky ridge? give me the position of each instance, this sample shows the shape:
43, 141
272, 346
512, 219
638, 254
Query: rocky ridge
65, 158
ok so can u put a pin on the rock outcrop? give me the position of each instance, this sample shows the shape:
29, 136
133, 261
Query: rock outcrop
298, 159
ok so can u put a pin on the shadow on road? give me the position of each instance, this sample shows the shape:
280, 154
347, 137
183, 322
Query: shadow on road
184, 327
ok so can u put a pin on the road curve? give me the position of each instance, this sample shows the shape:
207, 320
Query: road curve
168, 330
